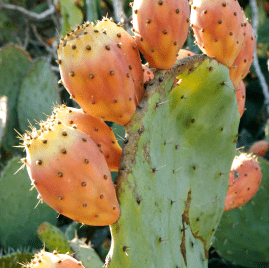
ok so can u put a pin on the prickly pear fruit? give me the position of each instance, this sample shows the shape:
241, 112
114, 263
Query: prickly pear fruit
244, 59
241, 97
160, 28
244, 181
98, 130
148, 74
44, 259
71, 174
259, 148
94, 71
130, 50
218, 28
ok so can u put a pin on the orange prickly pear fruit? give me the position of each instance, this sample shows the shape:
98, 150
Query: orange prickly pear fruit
244, 181
161, 29
259, 148
244, 59
130, 50
241, 97
71, 173
94, 71
44, 259
101, 134
183, 53
148, 74
218, 28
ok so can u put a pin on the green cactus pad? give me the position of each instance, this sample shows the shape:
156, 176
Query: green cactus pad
38, 93
242, 236
15, 259
14, 62
53, 238
174, 173
85, 254
19, 217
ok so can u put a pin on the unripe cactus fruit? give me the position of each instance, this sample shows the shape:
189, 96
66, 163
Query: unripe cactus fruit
160, 28
244, 59
244, 181
218, 28
101, 134
94, 71
71, 174
241, 97
44, 259
148, 74
129, 47
259, 148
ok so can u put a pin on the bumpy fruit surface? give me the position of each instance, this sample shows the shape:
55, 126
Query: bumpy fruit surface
148, 74
161, 28
259, 148
241, 97
44, 259
218, 28
244, 59
94, 71
130, 50
244, 181
98, 130
71, 174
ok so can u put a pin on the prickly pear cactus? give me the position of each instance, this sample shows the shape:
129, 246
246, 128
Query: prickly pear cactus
174, 172
242, 236
14, 63
18, 206
37, 94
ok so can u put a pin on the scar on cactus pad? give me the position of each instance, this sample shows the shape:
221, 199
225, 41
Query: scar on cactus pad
70, 173
244, 181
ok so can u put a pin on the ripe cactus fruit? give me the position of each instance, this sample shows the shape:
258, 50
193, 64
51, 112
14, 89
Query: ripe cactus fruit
129, 47
101, 134
218, 28
244, 59
241, 97
259, 148
158, 38
94, 71
44, 259
71, 174
244, 181
148, 74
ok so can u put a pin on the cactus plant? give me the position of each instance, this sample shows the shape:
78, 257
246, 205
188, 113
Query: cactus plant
242, 235
18, 206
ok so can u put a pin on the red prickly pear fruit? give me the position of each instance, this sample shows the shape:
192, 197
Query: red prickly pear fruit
71, 174
148, 74
244, 59
129, 47
161, 29
241, 97
259, 148
94, 71
218, 28
183, 53
244, 181
44, 259
101, 134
